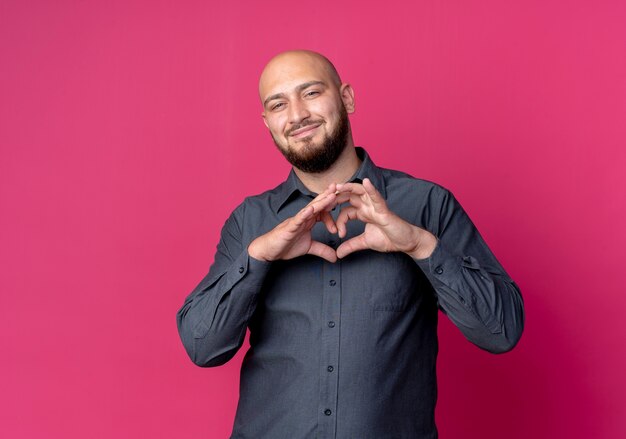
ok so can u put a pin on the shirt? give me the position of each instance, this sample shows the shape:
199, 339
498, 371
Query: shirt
346, 349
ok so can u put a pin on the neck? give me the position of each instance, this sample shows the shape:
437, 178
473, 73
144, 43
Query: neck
340, 171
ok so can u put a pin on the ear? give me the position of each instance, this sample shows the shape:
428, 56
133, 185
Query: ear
264, 119
347, 96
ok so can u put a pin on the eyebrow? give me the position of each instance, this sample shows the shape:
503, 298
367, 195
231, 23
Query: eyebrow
298, 89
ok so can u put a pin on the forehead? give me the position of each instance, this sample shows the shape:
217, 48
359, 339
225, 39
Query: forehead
284, 74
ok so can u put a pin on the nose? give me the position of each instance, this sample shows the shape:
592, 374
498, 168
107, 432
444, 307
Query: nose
298, 111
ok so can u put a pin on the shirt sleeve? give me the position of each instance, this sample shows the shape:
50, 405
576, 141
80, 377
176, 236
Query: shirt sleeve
472, 288
213, 319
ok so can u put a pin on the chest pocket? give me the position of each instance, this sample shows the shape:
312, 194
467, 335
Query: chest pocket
390, 282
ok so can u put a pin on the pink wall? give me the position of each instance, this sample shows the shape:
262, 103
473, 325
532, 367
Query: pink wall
130, 129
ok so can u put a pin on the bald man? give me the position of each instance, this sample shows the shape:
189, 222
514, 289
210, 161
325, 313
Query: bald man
339, 273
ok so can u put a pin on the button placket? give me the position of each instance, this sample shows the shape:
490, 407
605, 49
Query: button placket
331, 323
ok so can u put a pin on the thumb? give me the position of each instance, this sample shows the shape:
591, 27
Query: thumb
352, 245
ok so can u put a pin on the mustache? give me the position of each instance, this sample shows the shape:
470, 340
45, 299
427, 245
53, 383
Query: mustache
303, 124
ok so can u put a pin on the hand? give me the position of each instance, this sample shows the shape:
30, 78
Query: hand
384, 230
292, 237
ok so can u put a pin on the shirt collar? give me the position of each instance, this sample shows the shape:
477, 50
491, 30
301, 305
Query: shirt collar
293, 185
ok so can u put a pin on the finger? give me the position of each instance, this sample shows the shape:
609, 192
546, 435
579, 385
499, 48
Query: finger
304, 214
353, 199
321, 202
298, 220
328, 220
323, 251
322, 195
372, 192
352, 245
342, 197
331, 189
355, 188
326, 202
346, 214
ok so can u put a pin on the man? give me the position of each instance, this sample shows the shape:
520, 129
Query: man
338, 273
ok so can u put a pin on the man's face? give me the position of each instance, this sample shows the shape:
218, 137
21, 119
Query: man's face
306, 111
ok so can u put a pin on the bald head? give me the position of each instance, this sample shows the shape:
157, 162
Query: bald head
286, 66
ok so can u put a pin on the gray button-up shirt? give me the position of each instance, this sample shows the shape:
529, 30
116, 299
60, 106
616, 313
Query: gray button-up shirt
346, 349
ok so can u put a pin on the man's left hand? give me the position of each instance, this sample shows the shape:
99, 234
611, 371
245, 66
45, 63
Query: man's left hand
384, 230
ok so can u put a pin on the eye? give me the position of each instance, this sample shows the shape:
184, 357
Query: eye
311, 93
277, 106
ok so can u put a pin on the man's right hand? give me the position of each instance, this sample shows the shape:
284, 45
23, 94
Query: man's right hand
292, 237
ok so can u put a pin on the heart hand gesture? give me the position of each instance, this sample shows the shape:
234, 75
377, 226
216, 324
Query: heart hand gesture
384, 230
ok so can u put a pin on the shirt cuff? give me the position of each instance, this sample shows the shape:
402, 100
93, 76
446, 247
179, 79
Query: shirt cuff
441, 266
246, 266
242, 282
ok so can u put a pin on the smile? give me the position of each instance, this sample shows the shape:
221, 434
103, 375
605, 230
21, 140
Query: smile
304, 131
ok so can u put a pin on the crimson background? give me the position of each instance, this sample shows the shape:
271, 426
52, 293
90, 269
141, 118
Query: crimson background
130, 130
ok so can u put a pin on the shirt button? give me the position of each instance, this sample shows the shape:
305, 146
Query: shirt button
438, 270
327, 412
240, 269
331, 324
330, 368
332, 283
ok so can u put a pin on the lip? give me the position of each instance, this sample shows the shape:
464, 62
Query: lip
304, 131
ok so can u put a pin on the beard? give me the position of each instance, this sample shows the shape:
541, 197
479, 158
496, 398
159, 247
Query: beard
313, 158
